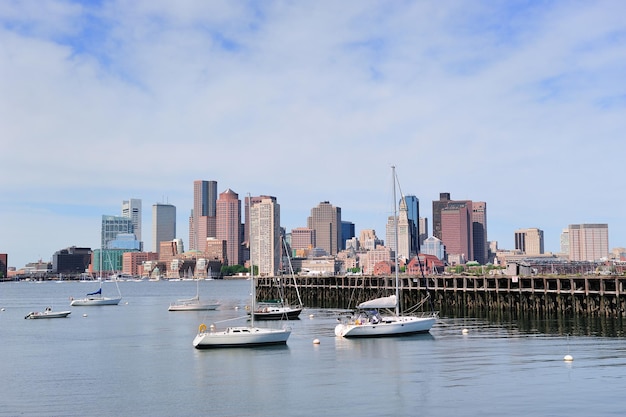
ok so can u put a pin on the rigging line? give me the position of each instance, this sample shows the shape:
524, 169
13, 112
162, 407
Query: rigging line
432, 307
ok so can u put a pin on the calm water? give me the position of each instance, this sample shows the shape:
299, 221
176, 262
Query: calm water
136, 359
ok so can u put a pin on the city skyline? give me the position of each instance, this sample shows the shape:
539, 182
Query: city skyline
516, 104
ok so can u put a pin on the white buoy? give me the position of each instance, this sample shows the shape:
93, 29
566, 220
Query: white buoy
2, 308
311, 316
568, 358
465, 331
316, 342
85, 315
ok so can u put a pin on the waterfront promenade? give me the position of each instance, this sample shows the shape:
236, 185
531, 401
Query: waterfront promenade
591, 295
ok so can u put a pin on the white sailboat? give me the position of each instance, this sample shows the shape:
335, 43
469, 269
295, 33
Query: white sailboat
194, 303
241, 336
372, 321
96, 298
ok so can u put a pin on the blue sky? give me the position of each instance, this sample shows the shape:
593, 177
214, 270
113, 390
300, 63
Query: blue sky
519, 104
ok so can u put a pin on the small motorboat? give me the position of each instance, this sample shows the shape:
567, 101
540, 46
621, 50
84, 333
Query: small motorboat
47, 314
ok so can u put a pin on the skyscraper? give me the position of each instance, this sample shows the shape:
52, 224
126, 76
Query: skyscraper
456, 229
403, 250
202, 219
228, 225
325, 219
413, 214
113, 226
265, 245
163, 225
132, 210
588, 242
529, 241
479, 232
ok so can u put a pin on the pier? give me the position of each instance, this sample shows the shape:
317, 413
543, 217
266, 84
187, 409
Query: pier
588, 295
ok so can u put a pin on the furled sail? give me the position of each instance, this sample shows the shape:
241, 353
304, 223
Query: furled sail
96, 292
383, 302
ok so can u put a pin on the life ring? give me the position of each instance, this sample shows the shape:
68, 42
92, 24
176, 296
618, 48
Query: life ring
202, 328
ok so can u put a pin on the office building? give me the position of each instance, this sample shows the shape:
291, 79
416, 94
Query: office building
265, 245
132, 210
228, 225
202, 220
588, 242
456, 230
113, 226
479, 232
529, 241
325, 219
404, 238
347, 233
302, 238
163, 225
413, 215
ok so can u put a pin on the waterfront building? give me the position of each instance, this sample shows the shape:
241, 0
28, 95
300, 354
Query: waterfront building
264, 229
125, 241
168, 250
325, 219
228, 225
4, 265
529, 241
71, 260
163, 224
202, 219
217, 250
132, 262
132, 209
588, 242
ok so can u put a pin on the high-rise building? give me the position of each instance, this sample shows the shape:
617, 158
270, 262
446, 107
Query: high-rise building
132, 210
113, 226
479, 232
228, 225
456, 229
347, 233
202, 219
423, 230
403, 251
564, 241
163, 225
264, 229
529, 241
433, 246
413, 214
325, 219
302, 238
588, 242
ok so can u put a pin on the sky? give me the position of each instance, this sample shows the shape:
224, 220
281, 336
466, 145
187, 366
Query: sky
519, 104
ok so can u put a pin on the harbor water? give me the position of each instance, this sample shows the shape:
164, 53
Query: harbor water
137, 359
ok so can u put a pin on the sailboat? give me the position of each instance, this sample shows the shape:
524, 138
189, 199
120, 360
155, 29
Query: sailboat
240, 336
280, 309
96, 298
372, 319
194, 303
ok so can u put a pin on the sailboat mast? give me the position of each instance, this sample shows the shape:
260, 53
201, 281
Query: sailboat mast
395, 228
252, 286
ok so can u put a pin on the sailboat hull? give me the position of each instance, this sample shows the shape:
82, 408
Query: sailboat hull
99, 301
278, 313
241, 337
389, 326
192, 307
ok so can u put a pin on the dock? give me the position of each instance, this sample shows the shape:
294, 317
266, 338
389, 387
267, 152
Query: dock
587, 295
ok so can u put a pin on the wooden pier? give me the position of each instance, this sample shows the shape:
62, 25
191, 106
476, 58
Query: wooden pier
589, 295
